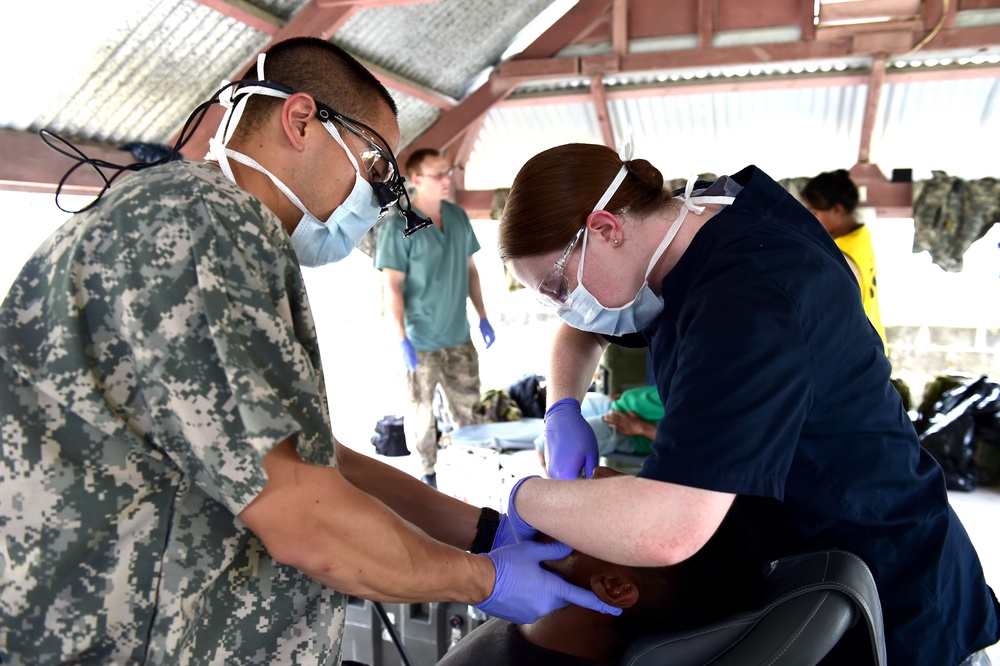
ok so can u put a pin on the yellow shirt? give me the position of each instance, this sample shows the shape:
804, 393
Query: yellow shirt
857, 246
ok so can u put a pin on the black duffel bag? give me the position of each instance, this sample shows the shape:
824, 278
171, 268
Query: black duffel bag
389, 438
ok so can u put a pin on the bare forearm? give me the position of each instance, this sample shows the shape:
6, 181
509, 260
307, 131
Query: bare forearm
396, 315
440, 516
575, 355
392, 286
625, 519
313, 519
389, 559
476, 293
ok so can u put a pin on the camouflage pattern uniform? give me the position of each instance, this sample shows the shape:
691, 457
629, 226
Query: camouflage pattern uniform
152, 352
456, 371
950, 214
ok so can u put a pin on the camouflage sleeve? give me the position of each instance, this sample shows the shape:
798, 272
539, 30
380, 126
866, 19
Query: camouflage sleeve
182, 312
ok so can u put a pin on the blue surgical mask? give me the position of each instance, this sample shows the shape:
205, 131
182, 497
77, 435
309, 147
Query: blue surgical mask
584, 312
315, 243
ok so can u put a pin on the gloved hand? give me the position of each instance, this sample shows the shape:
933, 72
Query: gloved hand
488, 335
505, 535
570, 442
512, 528
524, 591
409, 354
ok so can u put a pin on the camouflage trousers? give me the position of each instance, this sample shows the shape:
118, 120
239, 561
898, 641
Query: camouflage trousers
456, 371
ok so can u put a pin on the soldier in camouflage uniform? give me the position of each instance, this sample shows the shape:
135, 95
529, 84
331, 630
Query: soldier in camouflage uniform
171, 489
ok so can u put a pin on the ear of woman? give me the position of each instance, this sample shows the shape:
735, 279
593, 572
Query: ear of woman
604, 224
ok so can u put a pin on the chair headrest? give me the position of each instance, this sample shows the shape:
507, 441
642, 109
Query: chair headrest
810, 600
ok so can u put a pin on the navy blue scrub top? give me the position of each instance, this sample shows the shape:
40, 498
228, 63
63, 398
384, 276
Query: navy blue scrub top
776, 388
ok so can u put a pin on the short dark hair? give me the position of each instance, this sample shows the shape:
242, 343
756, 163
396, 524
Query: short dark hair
831, 188
324, 70
417, 158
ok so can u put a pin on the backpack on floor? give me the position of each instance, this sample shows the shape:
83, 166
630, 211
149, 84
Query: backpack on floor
389, 438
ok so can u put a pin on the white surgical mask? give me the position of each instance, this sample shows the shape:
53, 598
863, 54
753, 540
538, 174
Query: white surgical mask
584, 312
315, 243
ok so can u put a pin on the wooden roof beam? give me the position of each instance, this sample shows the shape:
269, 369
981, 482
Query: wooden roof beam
619, 26
28, 165
600, 102
808, 20
863, 44
876, 81
452, 124
706, 23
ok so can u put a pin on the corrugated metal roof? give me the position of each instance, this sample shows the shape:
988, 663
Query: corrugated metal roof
415, 116
141, 71
441, 44
137, 73
951, 126
161, 59
512, 134
797, 131
282, 9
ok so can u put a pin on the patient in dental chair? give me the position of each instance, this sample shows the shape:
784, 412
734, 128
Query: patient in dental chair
723, 578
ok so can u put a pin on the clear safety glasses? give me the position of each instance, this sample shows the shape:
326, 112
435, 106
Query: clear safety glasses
382, 168
554, 288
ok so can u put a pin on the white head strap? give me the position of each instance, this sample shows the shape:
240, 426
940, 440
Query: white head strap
691, 203
234, 112
625, 153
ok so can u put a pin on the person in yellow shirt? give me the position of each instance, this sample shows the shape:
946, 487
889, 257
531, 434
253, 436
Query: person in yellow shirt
833, 198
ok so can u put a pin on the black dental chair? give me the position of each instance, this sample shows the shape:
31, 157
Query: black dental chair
810, 602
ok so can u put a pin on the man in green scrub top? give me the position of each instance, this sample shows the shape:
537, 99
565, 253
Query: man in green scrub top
428, 277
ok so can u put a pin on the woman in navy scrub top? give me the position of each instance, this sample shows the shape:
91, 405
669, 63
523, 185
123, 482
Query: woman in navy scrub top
775, 388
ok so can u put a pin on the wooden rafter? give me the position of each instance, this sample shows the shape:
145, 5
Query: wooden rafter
706, 23
619, 26
453, 123
758, 54
600, 101
876, 81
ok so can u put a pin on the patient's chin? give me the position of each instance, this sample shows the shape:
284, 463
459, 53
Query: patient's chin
563, 567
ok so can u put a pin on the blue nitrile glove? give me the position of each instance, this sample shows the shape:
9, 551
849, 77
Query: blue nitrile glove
488, 335
512, 528
505, 535
524, 591
409, 354
570, 442
522, 530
